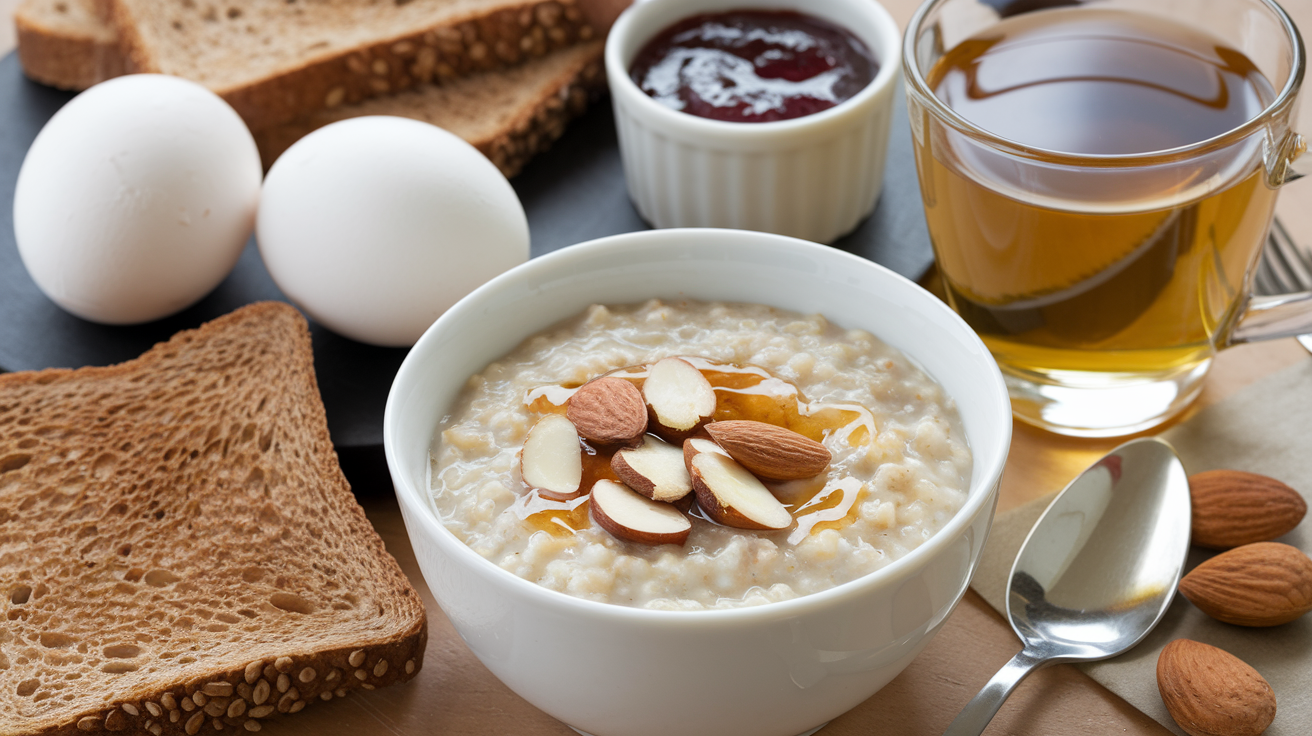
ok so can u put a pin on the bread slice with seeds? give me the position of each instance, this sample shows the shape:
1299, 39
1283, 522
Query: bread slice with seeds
66, 44
509, 115
178, 547
276, 60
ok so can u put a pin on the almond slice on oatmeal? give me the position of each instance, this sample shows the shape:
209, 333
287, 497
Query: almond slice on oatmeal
632, 517
551, 462
732, 496
679, 398
696, 445
655, 469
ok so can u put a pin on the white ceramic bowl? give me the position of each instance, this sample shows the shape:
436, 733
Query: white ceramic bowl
780, 669
814, 177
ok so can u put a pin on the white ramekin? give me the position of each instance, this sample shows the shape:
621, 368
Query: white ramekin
814, 177
775, 670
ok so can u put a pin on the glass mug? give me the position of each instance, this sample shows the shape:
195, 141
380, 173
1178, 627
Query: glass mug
1102, 254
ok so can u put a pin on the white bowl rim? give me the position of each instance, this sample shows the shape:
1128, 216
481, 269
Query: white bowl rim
979, 495
617, 72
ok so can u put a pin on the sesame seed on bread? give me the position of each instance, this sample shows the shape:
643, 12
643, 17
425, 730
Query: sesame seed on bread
178, 546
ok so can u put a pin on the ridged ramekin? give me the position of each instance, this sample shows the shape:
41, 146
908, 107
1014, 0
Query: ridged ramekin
814, 177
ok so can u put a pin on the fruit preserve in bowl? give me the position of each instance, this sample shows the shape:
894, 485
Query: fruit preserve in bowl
753, 66
692, 158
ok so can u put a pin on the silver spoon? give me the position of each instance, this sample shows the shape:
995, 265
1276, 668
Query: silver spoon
1098, 570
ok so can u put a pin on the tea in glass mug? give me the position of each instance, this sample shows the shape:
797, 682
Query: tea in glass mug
1098, 180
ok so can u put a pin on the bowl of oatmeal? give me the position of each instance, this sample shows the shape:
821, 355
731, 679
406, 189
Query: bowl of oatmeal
864, 530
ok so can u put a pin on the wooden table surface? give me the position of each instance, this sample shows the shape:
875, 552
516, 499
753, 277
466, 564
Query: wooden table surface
454, 694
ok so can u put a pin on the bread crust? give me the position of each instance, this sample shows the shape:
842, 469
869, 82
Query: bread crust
537, 127
531, 129
458, 46
183, 659
62, 56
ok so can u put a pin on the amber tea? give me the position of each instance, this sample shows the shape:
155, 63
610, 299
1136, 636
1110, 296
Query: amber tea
1098, 181
1135, 281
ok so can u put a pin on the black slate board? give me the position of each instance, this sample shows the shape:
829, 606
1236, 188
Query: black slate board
572, 193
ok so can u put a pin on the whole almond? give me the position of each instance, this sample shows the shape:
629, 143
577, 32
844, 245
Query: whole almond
1261, 584
770, 452
1232, 508
609, 411
1210, 692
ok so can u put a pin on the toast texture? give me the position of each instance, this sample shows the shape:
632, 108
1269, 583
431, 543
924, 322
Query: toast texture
66, 44
178, 547
277, 60
508, 115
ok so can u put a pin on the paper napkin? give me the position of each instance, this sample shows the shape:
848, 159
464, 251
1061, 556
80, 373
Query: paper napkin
1265, 428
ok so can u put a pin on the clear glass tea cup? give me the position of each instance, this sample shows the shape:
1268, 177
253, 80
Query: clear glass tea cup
1103, 282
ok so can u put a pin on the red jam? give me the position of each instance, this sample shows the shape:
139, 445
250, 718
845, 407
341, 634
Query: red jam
753, 66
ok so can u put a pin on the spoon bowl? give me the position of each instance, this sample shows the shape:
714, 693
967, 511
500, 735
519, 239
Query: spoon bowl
1098, 570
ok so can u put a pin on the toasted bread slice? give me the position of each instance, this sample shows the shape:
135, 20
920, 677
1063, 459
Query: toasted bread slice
66, 44
178, 547
508, 115
277, 60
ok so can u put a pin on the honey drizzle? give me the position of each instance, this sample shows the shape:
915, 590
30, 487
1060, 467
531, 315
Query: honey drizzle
832, 508
548, 399
742, 392
555, 517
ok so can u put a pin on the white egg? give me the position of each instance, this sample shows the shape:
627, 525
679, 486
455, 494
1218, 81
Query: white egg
376, 225
136, 199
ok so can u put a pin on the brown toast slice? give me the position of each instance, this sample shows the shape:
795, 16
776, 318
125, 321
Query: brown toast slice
66, 43
179, 548
278, 60
509, 115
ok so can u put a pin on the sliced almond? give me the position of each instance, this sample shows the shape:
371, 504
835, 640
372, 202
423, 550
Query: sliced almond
770, 452
610, 411
655, 469
552, 459
686, 503
632, 517
679, 398
732, 496
694, 445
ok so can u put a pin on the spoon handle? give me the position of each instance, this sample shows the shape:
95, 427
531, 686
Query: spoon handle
972, 719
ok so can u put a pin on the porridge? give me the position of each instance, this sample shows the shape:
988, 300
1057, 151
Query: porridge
898, 467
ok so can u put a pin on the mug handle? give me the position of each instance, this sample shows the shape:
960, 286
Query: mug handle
1270, 317
1279, 164
1279, 315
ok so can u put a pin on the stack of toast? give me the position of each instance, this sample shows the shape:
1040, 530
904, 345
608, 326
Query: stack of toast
505, 75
